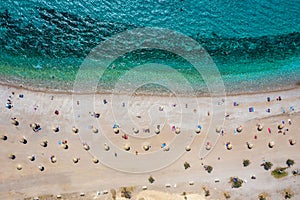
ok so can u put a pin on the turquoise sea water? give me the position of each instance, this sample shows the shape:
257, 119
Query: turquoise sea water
255, 44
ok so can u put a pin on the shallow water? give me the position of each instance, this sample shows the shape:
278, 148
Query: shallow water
255, 44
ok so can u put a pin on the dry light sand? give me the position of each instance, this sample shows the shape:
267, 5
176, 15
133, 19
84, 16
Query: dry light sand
69, 179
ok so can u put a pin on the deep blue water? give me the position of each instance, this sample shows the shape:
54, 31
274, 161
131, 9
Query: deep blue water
255, 44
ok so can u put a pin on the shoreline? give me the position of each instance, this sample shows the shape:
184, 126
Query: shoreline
70, 92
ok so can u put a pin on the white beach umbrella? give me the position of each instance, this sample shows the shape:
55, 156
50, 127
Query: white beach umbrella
260, 127
95, 130
3, 137
41, 167
106, 147
116, 130
197, 130
75, 160
126, 147
157, 131
19, 167
95, 160
292, 141
280, 126
31, 157
239, 129
86, 147
75, 130
12, 156
249, 145
271, 144
44, 143
187, 148
177, 130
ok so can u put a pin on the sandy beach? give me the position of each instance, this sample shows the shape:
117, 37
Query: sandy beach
56, 144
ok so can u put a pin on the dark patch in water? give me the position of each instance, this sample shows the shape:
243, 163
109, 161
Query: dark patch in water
64, 35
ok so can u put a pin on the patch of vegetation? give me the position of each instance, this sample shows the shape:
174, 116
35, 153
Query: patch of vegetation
267, 165
288, 194
206, 191
208, 168
246, 162
186, 165
113, 194
126, 192
151, 179
227, 195
236, 182
290, 162
279, 172
262, 197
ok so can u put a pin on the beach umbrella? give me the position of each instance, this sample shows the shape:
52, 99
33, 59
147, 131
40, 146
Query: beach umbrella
86, 147
135, 130
239, 129
280, 126
177, 130
23, 140
271, 144
44, 143
31, 158
41, 168
3, 137
53, 159
166, 148
229, 146
75, 130
126, 147
75, 160
19, 167
197, 130
157, 131
35, 127
260, 127
65, 146
95, 130
187, 148
146, 147
116, 130
15, 122
95, 160
249, 145
55, 129
12, 156
106, 147
218, 129
208, 147
292, 141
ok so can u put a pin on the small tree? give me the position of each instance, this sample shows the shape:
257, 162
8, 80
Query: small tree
288, 194
227, 195
267, 165
151, 179
208, 168
186, 165
246, 162
261, 197
113, 194
290, 162
236, 182
206, 191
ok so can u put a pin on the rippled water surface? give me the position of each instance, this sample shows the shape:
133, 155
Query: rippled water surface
255, 44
